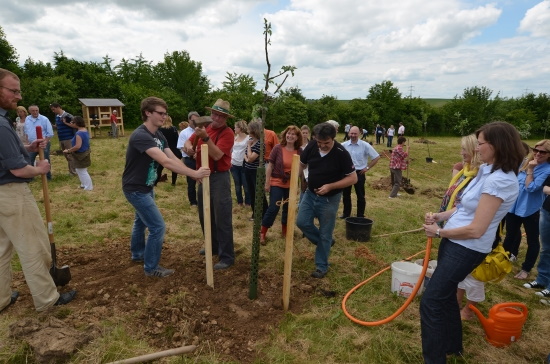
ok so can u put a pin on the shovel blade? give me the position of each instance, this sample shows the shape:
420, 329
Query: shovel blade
61, 276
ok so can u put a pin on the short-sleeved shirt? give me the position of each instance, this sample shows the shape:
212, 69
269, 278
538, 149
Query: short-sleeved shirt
140, 171
255, 148
64, 132
361, 152
330, 168
13, 154
398, 158
270, 140
30, 127
182, 138
223, 138
503, 185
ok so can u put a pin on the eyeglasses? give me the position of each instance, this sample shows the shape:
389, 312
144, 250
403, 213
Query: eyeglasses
163, 114
15, 92
543, 152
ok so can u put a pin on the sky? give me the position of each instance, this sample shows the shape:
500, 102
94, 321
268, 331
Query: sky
341, 48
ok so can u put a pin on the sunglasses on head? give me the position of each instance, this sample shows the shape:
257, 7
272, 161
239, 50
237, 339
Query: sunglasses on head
535, 151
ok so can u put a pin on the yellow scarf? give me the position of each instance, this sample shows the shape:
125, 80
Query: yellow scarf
466, 172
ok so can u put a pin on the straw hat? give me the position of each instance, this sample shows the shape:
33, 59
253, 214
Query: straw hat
222, 107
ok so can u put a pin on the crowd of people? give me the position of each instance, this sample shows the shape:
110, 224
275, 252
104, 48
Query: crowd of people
500, 182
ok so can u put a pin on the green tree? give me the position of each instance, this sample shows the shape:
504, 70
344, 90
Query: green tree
241, 92
180, 73
8, 54
386, 101
475, 105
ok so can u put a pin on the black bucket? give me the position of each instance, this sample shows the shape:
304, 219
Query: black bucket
429, 160
358, 228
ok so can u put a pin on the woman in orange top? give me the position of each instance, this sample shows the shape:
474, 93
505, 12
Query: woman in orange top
277, 177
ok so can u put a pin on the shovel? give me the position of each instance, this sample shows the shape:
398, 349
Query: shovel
61, 276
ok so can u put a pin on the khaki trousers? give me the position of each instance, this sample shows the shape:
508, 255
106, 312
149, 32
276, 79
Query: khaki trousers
22, 228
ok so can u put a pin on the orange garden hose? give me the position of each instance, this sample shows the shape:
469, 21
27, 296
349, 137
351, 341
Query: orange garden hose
407, 302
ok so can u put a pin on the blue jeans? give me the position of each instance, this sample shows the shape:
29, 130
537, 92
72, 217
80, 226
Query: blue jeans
276, 194
513, 237
390, 140
147, 216
544, 260
221, 212
33, 156
441, 326
191, 183
324, 208
240, 184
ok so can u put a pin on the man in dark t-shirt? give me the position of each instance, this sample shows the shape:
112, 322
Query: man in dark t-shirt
147, 148
330, 171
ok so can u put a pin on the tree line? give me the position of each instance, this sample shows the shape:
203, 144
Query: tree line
181, 82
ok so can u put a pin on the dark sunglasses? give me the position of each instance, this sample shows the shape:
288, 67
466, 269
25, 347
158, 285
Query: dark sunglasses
535, 151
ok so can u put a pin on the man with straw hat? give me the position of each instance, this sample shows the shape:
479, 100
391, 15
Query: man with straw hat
219, 138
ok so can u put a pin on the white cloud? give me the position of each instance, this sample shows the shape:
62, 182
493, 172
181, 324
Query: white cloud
537, 20
341, 48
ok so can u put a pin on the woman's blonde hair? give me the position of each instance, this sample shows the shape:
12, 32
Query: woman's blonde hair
242, 125
469, 143
545, 144
167, 122
22, 108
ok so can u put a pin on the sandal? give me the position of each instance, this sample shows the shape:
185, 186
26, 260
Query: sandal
522, 275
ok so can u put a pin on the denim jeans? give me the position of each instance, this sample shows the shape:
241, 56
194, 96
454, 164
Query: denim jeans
276, 194
440, 321
544, 260
324, 208
147, 216
250, 175
390, 141
513, 237
240, 184
191, 183
221, 212
360, 192
33, 156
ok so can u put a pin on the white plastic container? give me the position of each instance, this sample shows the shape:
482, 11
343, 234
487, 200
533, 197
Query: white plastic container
431, 267
404, 278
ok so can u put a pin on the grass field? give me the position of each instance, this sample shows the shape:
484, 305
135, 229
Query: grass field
320, 332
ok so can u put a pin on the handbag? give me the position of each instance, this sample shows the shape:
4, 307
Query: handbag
494, 267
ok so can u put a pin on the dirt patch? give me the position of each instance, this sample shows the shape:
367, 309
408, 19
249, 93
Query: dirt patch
173, 311
424, 141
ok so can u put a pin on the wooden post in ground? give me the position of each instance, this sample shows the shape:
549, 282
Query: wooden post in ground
158, 355
289, 246
206, 219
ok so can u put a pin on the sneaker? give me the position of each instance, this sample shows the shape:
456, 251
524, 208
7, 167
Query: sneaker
543, 293
160, 272
222, 265
65, 298
318, 274
533, 284
545, 302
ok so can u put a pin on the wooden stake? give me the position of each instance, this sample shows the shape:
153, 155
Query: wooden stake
158, 355
206, 219
291, 219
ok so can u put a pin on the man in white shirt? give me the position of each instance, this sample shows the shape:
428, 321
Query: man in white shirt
401, 130
187, 160
31, 122
364, 157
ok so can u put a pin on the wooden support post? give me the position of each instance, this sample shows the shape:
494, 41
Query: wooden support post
206, 218
291, 219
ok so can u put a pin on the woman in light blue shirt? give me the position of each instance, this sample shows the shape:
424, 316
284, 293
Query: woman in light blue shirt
525, 211
468, 236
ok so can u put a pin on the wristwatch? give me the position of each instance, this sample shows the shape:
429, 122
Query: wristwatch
206, 139
437, 233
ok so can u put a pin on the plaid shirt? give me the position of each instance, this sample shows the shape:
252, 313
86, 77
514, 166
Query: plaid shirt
398, 156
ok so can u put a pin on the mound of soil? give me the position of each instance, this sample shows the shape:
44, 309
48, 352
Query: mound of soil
174, 311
